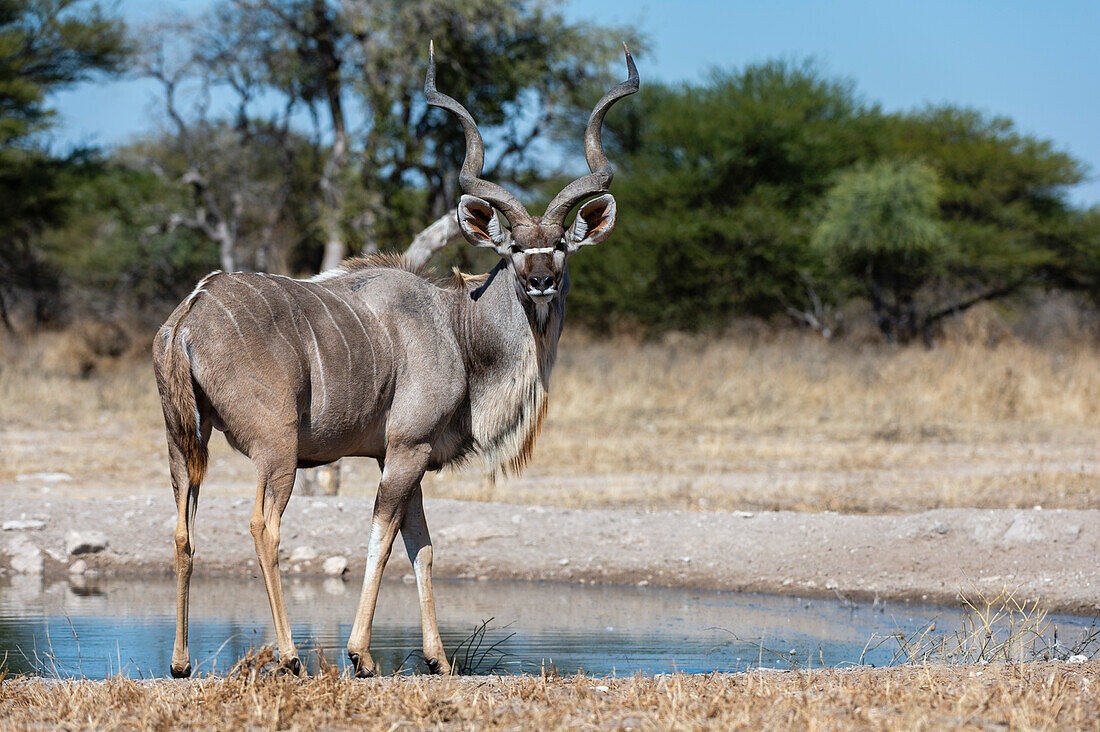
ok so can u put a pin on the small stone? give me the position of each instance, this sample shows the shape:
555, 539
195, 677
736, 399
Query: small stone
26, 557
22, 525
643, 583
44, 478
85, 542
1024, 530
335, 566
563, 562
303, 554
78, 567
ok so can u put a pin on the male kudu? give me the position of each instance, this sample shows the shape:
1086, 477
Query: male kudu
373, 359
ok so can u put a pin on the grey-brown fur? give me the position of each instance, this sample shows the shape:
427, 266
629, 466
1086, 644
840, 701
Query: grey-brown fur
371, 359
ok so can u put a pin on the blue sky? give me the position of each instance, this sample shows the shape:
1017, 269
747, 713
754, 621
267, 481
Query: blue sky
1038, 63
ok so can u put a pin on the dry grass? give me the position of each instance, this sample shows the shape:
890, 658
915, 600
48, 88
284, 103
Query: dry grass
785, 422
1022, 697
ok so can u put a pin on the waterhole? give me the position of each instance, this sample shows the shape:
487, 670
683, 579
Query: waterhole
108, 626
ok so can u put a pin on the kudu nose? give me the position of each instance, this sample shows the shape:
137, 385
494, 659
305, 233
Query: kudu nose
540, 283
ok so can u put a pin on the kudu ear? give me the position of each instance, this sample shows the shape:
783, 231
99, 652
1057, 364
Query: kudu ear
480, 224
594, 223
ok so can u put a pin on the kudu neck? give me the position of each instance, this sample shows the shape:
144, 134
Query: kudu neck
502, 321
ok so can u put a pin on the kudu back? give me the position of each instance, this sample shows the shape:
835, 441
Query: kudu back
375, 359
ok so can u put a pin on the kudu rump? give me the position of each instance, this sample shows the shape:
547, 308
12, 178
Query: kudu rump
373, 359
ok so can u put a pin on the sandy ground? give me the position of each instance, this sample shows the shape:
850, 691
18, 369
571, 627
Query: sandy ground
1046, 555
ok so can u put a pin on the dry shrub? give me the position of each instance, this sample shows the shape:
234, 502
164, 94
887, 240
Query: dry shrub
997, 628
84, 348
763, 421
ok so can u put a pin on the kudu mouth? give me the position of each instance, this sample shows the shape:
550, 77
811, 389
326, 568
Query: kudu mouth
598, 180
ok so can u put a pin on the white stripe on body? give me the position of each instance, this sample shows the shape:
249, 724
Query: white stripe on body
275, 322
320, 367
389, 338
199, 288
373, 357
251, 356
334, 324
290, 307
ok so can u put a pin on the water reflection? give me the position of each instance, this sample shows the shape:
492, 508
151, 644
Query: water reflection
98, 628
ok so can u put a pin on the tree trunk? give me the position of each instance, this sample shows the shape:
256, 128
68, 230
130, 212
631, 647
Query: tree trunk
335, 170
320, 481
227, 247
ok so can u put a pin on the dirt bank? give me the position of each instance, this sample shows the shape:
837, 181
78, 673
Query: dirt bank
1048, 555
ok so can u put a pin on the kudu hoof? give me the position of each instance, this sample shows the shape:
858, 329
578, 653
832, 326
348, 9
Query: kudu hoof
290, 666
360, 671
180, 673
435, 667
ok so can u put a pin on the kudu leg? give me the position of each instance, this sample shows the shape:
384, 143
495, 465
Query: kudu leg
418, 544
187, 501
405, 467
273, 489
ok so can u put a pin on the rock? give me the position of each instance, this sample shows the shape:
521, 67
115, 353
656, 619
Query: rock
22, 525
1024, 530
473, 533
26, 557
334, 586
85, 542
44, 478
1069, 533
78, 567
303, 554
335, 566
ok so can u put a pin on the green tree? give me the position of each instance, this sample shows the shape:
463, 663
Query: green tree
881, 229
1002, 196
721, 185
45, 46
715, 184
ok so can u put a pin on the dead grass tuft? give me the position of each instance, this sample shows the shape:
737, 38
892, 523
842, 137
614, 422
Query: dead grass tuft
1017, 696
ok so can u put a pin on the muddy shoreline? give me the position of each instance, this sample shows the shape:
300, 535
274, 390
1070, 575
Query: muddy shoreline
1045, 555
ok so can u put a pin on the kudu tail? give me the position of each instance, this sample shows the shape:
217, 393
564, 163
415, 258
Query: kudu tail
181, 411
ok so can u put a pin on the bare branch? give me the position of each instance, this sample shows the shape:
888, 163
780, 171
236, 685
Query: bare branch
439, 234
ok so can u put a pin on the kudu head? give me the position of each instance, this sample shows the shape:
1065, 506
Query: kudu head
535, 248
